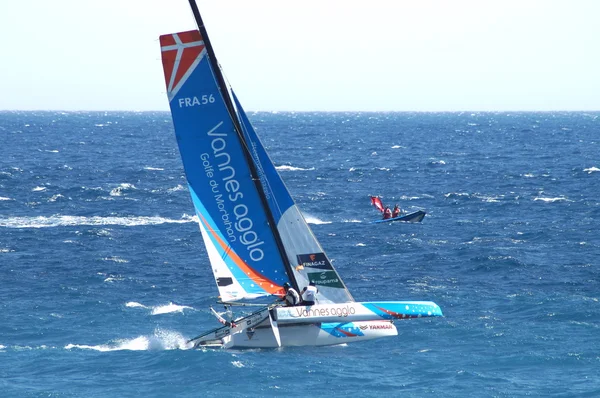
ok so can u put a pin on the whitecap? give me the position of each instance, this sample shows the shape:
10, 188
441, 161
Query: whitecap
314, 220
398, 147
115, 259
291, 168
113, 278
169, 308
133, 304
360, 244
489, 199
153, 168
452, 194
137, 344
353, 221
551, 200
118, 191
177, 188
3, 198
590, 170
54, 198
237, 364
38, 189
62, 221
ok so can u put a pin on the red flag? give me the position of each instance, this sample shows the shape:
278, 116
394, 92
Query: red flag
376, 201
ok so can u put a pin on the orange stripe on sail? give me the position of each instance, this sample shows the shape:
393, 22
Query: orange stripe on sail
257, 277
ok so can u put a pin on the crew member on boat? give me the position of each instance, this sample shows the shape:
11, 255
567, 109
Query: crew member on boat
396, 211
387, 213
291, 297
309, 293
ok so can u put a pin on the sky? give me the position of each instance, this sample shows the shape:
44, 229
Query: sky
309, 55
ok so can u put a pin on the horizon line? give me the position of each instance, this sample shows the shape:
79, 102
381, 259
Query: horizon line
313, 111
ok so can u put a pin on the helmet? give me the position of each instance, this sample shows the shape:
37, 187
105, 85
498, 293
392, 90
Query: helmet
286, 285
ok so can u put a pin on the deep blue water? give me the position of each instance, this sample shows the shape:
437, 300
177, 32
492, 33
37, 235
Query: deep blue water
103, 275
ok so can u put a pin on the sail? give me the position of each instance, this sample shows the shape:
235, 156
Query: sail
311, 264
243, 250
376, 201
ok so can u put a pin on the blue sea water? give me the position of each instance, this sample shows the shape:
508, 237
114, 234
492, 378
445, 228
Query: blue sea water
103, 275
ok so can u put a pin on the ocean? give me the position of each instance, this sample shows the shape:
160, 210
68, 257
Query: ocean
104, 276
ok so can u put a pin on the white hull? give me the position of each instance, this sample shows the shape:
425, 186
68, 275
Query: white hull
317, 325
310, 334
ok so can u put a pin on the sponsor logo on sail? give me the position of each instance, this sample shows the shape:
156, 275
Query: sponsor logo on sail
228, 195
325, 278
314, 260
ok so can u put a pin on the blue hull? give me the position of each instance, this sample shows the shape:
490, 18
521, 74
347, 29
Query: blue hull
417, 216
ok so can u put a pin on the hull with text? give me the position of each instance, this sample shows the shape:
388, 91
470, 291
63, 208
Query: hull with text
354, 312
311, 334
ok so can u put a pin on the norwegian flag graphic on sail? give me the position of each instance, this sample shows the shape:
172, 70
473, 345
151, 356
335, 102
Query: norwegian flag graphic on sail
181, 53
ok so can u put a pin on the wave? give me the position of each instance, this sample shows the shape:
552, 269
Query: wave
158, 341
490, 198
56, 197
159, 309
169, 308
153, 168
133, 304
314, 220
177, 188
291, 168
118, 191
4, 198
552, 200
69, 221
115, 259
38, 189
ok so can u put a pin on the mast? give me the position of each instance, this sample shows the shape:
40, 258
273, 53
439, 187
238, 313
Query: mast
240, 132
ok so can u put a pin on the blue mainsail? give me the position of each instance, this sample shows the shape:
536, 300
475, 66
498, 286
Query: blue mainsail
240, 244
250, 257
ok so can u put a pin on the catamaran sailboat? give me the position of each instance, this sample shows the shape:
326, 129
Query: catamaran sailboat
255, 236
